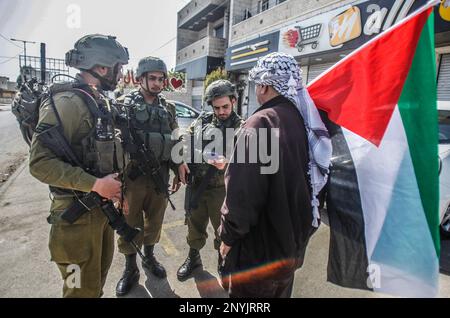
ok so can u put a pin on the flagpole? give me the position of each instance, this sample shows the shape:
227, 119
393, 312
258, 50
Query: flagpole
425, 7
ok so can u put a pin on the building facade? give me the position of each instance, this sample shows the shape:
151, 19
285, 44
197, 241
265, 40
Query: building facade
202, 39
7, 90
318, 33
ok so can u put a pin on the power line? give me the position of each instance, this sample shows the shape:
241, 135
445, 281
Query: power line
7, 57
8, 60
4, 37
168, 42
24, 47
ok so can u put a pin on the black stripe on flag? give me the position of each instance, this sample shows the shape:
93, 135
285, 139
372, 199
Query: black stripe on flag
347, 259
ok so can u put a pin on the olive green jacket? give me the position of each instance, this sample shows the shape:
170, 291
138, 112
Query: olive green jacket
77, 122
207, 121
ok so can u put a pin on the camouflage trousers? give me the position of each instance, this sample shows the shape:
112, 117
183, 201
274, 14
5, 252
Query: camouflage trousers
83, 251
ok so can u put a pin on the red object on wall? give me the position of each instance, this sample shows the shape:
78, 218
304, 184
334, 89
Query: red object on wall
176, 83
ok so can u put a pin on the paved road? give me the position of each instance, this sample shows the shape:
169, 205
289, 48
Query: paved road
26, 271
12, 146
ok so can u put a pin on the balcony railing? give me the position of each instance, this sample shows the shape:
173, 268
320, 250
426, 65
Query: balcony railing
261, 6
197, 12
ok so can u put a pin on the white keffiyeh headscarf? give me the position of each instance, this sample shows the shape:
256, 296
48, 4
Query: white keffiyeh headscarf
282, 72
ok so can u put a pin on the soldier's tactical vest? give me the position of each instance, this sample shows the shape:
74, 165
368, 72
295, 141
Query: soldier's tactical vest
102, 147
101, 151
209, 121
151, 124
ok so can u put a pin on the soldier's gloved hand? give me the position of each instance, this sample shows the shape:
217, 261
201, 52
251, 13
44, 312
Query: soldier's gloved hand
108, 187
183, 171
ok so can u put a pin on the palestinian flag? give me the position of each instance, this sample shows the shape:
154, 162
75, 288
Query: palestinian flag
382, 196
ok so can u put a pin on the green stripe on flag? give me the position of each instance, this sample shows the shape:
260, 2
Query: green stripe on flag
419, 115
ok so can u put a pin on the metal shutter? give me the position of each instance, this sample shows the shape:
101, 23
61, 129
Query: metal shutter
443, 83
316, 69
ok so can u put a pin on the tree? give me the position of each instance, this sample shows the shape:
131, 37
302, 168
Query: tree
215, 75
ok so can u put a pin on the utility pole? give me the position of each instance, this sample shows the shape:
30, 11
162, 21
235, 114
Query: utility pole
25, 55
43, 66
24, 48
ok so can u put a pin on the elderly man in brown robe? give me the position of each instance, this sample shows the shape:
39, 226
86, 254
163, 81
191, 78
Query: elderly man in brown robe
269, 214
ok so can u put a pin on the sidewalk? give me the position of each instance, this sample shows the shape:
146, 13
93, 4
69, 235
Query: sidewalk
26, 270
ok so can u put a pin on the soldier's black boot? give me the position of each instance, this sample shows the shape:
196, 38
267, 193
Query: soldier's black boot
152, 264
129, 277
192, 262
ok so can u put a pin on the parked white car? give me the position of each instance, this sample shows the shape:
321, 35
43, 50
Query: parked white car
185, 115
444, 166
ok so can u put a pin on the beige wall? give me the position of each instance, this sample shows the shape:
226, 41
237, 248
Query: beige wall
184, 97
209, 46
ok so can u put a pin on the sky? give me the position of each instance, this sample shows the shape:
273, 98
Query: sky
145, 27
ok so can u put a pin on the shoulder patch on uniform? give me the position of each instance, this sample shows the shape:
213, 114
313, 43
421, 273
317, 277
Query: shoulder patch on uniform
68, 95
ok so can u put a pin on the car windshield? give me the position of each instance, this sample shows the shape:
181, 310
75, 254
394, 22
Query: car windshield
444, 126
184, 112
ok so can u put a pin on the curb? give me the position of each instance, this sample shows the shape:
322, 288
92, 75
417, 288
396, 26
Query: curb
12, 178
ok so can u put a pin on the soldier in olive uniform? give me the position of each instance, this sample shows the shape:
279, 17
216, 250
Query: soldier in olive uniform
152, 120
221, 95
83, 251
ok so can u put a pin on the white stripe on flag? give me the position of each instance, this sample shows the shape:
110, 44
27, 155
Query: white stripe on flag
398, 239
376, 169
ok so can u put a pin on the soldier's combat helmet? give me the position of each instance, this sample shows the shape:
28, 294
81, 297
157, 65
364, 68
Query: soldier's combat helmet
151, 64
219, 88
98, 50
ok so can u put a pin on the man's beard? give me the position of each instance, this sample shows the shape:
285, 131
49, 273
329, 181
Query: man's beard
150, 92
154, 93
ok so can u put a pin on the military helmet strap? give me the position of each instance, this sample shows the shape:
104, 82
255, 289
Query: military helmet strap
106, 84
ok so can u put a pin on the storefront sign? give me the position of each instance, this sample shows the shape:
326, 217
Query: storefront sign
345, 28
444, 10
175, 81
442, 14
246, 54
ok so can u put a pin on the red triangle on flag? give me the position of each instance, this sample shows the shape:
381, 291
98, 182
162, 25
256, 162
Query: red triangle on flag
361, 91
